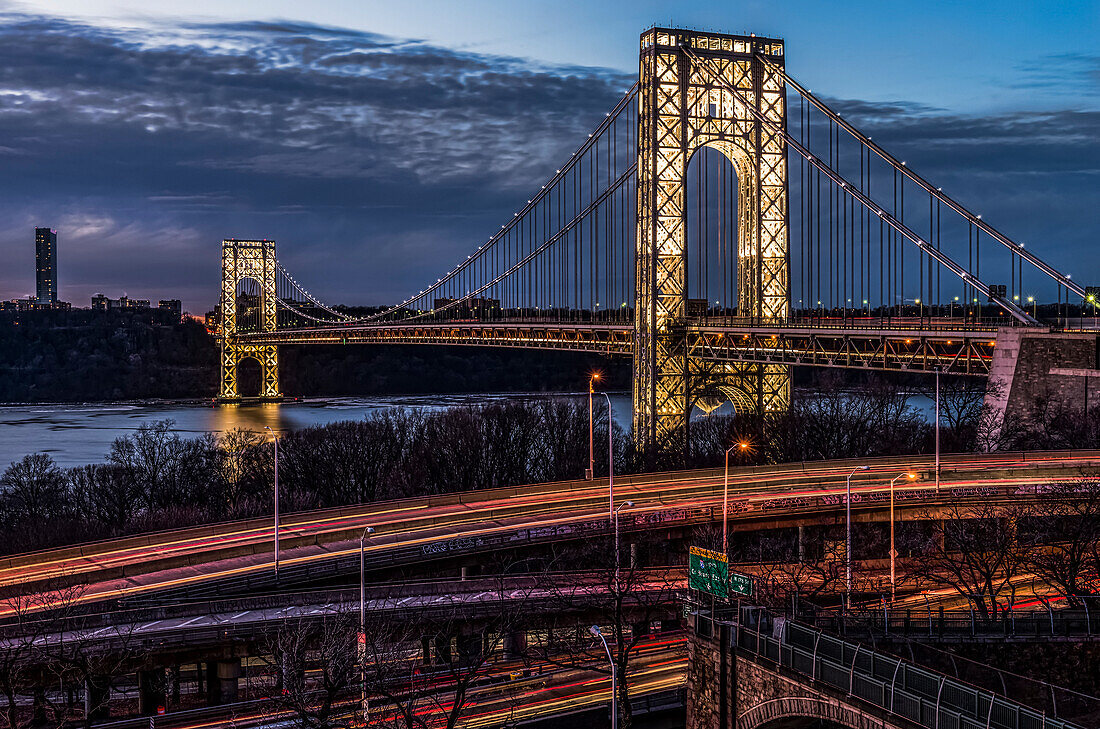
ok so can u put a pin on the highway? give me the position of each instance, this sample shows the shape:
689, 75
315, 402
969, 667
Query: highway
431, 527
510, 691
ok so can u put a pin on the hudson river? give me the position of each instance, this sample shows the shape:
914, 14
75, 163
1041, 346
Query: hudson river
75, 434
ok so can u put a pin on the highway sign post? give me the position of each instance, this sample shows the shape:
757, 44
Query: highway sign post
708, 571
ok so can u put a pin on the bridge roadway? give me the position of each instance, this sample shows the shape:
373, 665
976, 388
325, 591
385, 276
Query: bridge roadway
198, 623
435, 527
918, 344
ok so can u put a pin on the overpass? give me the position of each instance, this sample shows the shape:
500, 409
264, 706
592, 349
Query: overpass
457, 526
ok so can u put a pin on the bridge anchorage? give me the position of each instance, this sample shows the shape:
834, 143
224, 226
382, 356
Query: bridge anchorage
667, 237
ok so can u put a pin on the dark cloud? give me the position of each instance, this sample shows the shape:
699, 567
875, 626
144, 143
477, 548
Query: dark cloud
1066, 74
374, 161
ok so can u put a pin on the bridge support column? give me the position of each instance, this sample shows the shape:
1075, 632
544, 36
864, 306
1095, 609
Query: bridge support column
174, 685
152, 691
515, 644
221, 681
248, 260
234, 354
443, 651
38, 706
469, 646
711, 682
97, 695
683, 107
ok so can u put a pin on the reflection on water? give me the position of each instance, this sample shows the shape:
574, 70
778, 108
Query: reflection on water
82, 433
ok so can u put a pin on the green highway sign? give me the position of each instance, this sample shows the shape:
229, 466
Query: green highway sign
741, 584
708, 571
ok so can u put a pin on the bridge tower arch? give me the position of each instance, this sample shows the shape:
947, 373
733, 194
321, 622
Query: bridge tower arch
684, 105
241, 260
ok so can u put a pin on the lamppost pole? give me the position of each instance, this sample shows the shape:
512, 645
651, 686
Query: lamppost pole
595, 630
938, 428
616, 520
363, 621
893, 551
276, 439
848, 541
591, 447
610, 460
726, 498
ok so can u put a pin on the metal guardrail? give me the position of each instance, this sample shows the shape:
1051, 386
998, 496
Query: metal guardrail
889, 684
948, 624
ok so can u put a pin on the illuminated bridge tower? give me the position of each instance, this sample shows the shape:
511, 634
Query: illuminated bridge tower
248, 261
686, 104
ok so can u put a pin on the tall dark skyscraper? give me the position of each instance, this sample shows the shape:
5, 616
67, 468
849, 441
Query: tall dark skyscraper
45, 258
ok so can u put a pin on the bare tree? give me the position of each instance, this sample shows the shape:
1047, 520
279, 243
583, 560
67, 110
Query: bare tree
626, 598
312, 665
975, 551
1064, 538
786, 574
50, 643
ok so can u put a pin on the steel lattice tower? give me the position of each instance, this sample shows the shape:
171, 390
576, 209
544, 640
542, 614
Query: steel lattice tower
683, 108
248, 259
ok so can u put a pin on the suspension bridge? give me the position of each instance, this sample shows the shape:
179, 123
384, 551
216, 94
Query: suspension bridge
721, 225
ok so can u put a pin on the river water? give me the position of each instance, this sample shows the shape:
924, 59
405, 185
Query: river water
75, 434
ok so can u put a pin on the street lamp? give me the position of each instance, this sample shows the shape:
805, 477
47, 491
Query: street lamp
616, 520
591, 448
894, 552
726, 496
938, 370
363, 621
276, 438
1031, 300
848, 541
595, 630
610, 460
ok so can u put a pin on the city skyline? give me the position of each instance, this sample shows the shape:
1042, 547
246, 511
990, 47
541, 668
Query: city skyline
147, 140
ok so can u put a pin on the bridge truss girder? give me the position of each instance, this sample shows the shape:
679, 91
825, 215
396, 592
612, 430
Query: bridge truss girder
682, 109
610, 340
959, 352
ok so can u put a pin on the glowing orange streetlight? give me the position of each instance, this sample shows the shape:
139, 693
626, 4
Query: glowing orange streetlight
893, 552
590, 473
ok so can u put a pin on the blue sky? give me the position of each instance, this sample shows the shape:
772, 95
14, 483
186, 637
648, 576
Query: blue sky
146, 136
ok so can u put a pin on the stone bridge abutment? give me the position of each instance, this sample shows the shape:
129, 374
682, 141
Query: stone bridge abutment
727, 689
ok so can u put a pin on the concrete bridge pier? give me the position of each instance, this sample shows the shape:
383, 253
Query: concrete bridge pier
38, 706
470, 646
222, 681
152, 691
515, 644
288, 674
97, 695
442, 645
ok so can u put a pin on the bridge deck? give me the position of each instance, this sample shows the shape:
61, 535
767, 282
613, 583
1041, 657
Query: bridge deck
952, 346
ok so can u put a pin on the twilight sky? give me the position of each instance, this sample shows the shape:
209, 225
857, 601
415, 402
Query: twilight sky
378, 142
